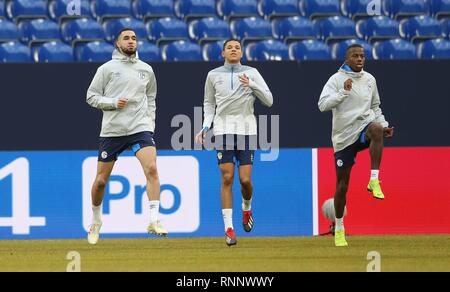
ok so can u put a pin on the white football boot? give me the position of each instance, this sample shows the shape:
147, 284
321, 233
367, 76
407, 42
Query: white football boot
157, 229
94, 233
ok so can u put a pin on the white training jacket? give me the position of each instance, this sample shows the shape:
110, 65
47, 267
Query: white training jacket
352, 110
229, 104
124, 77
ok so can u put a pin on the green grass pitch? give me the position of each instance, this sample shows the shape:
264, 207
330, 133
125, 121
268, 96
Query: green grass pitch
257, 254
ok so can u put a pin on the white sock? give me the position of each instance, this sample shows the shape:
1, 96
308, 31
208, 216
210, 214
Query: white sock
339, 224
374, 174
154, 211
97, 214
246, 204
227, 218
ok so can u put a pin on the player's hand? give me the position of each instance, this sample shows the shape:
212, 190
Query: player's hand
200, 137
122, 102
348, 84
244, 80
388, 132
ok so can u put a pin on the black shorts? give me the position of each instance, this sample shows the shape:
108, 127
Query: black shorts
346, 158
111, 147
238, 149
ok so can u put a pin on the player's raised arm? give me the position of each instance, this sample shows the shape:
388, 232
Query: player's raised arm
95, 94
332, 95
260, 88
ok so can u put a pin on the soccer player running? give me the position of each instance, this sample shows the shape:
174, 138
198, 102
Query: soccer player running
358, 123
125, 90
230, 93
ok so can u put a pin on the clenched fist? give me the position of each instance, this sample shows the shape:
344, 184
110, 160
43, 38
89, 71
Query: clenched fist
348, 84
122, 102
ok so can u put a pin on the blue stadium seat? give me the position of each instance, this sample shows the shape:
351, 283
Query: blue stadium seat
53, 52
278, 8
420, 27
293, 28
399, 9
335, 28
149, 52
213, 51
251, 29
103, 9
167, 30
209, 29
231, 9
113, 26
147, 9
8, 31
338, 50
2, 9
188, 9
182, 51
18, 10
59, 10
15, 52
355, 9
378, 28
81, 30
394, 49
269, 50
445, 23
440, 8
38, 30
319, 8
434, 49
309, 50
94, 52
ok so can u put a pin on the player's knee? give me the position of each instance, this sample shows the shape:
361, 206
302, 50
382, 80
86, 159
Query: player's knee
100, 183
246, 182
342, 187
227, 179
376, 131
151, 171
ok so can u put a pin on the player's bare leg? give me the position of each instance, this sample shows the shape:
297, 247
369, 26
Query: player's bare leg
147, 158
340, 197
340, 200
245, 178
375, 135
226, 193
226, 190
104, 170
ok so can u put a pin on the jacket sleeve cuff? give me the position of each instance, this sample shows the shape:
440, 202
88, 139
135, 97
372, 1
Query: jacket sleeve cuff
252, 84
344, 92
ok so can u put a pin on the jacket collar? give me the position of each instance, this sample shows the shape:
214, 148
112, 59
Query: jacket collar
123, 58
348, 71
235, 67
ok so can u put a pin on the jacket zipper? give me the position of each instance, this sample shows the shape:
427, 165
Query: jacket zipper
232, 71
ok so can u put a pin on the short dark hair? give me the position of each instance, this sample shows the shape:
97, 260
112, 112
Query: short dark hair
353, 46
230, 40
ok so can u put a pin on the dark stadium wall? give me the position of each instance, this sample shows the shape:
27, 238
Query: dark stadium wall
44, 108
